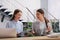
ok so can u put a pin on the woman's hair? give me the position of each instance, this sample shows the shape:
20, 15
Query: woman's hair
15, 12
42, 12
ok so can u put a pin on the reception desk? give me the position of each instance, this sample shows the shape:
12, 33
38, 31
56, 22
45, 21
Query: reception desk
32, 38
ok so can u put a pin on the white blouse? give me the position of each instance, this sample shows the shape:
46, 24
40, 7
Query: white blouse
13, 24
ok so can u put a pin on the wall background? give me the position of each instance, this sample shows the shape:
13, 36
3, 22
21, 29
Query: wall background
54, 8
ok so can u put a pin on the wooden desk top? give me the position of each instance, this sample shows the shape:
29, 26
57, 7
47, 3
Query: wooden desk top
32, 38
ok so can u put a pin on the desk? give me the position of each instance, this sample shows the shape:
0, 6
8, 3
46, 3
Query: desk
32, 38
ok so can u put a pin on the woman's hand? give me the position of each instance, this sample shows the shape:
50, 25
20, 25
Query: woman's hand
33, 32
48, 29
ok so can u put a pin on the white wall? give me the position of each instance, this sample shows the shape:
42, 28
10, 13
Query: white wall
54, 8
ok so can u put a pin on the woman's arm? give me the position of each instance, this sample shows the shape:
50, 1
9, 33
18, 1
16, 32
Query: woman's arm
20, 30
49, 28
48, 24
33, 27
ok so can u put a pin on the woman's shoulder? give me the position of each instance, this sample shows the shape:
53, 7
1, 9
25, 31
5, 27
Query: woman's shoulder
20, 22
35, 22
9, 22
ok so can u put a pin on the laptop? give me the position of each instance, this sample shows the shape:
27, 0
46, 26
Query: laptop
8, 32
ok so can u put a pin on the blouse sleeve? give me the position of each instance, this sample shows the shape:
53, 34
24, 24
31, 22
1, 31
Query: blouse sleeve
33, 25
50, 26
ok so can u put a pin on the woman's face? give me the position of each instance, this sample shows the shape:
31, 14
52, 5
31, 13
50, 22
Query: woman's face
18, 16
39, 15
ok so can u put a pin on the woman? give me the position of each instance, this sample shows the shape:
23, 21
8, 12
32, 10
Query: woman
15, 23
41, 26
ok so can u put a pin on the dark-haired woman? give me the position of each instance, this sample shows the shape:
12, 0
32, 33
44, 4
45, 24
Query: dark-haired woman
15, 23
41, 26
